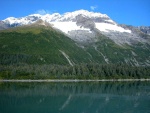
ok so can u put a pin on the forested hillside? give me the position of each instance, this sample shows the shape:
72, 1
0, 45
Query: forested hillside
41, 52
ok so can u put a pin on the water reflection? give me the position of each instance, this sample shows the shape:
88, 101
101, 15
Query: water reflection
89, 97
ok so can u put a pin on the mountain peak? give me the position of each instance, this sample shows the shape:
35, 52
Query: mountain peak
56, 17
36, 15
90, 13
41, 22
86, 13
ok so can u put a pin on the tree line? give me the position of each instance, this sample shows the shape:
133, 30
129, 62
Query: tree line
79, 71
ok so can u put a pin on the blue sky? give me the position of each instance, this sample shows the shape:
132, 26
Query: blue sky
131, 12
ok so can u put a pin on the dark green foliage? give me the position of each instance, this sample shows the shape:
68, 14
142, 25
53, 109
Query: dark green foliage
43, 45
36, 52
38, 45
82, 71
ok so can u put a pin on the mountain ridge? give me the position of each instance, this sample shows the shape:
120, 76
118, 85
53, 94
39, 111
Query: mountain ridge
80, 26
82, 40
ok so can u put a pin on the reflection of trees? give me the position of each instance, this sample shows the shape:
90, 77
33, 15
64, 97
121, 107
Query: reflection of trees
119, 88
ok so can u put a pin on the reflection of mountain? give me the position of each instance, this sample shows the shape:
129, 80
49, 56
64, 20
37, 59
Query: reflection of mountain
74, 97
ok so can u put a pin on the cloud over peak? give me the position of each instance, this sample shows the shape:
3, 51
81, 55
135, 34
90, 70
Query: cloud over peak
42, 12
93, 7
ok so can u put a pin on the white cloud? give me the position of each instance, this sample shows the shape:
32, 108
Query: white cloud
42, 12
93, 7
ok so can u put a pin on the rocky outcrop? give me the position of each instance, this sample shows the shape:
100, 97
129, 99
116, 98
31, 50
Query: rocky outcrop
85, 22
3, 25
144, 29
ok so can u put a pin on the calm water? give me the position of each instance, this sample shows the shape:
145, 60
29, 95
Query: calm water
83, 97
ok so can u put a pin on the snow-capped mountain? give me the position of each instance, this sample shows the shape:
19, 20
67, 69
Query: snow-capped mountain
97, 39
83, 26
56, 17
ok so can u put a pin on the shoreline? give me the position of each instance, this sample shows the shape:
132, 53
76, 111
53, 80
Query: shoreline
75, 80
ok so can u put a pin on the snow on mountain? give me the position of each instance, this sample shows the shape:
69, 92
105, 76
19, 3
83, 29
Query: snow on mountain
81, 25
68, 26
105, 27
56, 17
71, 16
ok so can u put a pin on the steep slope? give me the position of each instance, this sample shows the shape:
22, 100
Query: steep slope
38, 43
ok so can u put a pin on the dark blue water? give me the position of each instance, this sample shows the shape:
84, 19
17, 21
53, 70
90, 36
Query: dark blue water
83, 97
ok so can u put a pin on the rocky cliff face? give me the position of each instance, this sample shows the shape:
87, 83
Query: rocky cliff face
3, 25
144, 29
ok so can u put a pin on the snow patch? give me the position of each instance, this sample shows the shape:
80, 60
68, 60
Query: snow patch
67, 57
89, 54
136, 63
133, 53
126, 60
105, 58
68, 26
109, 27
